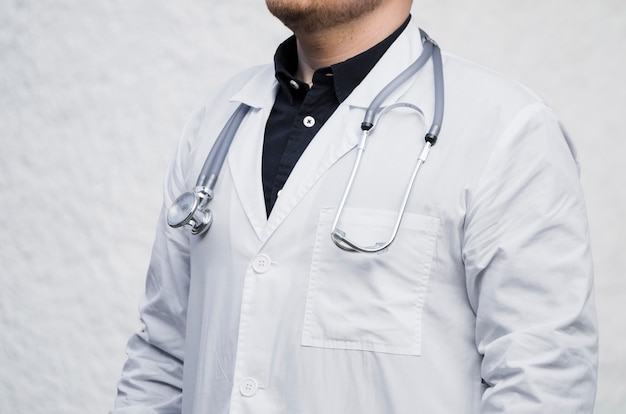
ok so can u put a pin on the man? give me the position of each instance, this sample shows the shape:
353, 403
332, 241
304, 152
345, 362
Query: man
482, 304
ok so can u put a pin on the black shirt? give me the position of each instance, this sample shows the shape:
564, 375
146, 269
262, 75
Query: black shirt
299, 111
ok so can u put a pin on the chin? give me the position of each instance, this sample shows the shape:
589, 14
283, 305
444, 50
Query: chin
313, 15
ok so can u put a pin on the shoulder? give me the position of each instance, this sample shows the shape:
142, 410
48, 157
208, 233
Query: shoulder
487, 113
485, 103
470, 83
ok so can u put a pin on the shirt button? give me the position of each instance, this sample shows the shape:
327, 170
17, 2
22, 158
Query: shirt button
294, 84
248, 387
261, 263
308, 121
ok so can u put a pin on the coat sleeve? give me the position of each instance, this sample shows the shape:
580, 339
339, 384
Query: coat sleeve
152, 376
529, 272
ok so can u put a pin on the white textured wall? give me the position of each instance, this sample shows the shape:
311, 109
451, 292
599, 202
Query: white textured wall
93, 95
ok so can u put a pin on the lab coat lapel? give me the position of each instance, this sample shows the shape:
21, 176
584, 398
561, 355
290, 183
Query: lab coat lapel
339, 135
244, 156
335, 139
245, 161
341, 132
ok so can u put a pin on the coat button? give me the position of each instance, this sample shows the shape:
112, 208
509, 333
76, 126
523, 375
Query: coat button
308, 121
261, 263
294, 84
248, 387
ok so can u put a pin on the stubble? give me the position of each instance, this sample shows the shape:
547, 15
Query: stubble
313, 15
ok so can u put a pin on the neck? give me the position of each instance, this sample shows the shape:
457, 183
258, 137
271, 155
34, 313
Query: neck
327, 46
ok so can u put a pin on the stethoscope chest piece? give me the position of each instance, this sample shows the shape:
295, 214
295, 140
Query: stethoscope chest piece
188, 211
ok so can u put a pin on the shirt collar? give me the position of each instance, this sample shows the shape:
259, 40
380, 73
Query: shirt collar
347, 75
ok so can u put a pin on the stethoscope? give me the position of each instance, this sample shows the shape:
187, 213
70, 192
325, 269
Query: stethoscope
191, 208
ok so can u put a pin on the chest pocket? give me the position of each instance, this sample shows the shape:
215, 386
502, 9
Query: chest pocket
370, 301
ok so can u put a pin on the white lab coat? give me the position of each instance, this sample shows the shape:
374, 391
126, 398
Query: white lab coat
483, 304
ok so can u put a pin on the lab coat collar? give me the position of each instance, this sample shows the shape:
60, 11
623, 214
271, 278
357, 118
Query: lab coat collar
260, 90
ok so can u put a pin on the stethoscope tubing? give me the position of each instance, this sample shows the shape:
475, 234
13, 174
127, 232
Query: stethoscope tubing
405, 75
372, 115
215, 160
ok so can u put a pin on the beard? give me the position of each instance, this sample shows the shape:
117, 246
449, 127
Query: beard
312, 15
